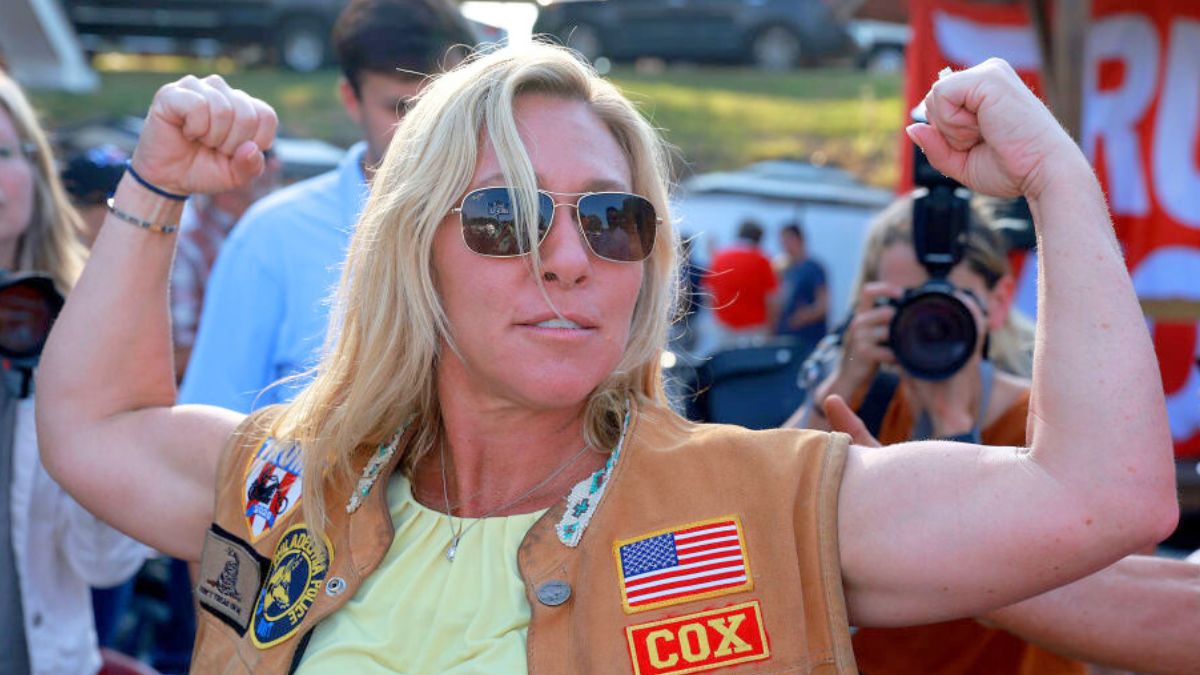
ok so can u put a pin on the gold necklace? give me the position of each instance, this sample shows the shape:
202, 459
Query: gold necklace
456, 536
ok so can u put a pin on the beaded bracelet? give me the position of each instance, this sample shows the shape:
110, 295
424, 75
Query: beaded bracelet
134, 220
151, 186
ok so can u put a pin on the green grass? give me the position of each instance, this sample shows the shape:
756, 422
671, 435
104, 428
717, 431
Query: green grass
723, 119
307, 103
718, 118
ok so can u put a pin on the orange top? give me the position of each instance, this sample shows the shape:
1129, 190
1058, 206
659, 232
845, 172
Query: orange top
955, 647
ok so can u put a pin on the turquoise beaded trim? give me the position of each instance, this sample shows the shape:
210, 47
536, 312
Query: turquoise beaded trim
586, 495
371, 471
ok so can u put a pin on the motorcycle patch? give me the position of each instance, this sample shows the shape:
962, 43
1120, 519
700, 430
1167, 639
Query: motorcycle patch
273, 484
697, 642
293, 581
231, 575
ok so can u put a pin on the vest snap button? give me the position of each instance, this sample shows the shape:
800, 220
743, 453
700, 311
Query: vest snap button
335, 586
553, 593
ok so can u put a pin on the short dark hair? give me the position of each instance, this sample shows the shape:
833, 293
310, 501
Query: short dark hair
404, 37
793, 228
750, 230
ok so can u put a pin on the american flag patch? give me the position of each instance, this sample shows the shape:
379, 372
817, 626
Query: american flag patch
691, 562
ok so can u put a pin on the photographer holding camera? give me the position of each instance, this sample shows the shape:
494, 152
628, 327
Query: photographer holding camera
1138, 615
934, 350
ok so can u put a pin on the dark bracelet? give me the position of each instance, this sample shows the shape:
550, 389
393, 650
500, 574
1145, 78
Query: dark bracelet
150, 186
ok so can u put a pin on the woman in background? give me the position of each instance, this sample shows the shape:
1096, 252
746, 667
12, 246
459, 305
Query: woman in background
895, 403
981, 402
51, 549
1139, 614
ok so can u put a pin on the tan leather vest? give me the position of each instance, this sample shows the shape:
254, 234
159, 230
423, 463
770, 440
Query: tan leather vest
712, 547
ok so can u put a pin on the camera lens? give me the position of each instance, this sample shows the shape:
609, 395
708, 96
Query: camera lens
933, 334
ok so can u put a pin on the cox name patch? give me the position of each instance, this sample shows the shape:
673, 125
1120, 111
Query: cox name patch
699, 642
296, 573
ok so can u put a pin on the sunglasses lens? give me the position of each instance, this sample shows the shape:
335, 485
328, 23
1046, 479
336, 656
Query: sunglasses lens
619, 226
489, 222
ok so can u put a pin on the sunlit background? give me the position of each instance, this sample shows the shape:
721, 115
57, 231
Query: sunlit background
516, 18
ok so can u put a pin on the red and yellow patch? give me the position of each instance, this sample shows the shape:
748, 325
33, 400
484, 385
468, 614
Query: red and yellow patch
682, 564
697, 642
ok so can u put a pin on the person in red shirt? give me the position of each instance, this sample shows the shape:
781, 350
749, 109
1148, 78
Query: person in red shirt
741, 281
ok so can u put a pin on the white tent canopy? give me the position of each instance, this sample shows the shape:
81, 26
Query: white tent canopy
41, 48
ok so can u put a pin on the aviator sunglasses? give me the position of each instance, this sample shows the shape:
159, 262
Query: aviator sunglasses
617, 226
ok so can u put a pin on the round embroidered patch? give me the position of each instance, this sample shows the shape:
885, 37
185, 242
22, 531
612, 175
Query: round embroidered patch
292, 584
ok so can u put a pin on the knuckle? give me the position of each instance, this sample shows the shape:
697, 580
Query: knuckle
221, 116
999, 67
221, 107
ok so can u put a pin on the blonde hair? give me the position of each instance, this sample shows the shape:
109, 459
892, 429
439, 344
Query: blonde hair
1010, 347
382, 351
50, 243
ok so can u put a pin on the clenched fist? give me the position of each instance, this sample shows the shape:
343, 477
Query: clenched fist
202, 136
988, 131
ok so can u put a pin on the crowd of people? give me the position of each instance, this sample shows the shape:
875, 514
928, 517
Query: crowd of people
752, 297
409, 415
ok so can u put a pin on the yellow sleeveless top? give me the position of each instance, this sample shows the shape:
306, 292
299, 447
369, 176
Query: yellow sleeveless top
420, 613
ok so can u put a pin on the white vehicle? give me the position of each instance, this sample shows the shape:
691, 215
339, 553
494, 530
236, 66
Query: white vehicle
880, 44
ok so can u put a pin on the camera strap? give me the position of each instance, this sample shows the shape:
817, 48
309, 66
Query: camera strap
924, 426
14, 656
16, 378
877, 399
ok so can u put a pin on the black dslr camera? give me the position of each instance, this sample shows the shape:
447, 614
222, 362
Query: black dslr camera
933, 333
29, 304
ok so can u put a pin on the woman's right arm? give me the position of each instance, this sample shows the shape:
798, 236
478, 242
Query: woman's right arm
108, 427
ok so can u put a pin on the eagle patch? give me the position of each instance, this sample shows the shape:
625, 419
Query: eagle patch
291, 587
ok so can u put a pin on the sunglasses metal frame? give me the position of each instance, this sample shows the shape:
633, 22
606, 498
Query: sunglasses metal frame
578, 221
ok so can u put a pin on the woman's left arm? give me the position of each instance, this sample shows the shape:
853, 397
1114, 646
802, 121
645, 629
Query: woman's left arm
935, 530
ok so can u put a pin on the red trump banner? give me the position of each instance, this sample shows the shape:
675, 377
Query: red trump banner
1141, 131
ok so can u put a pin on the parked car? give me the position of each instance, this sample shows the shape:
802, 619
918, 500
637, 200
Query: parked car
881, 44
296, 32
772, 34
